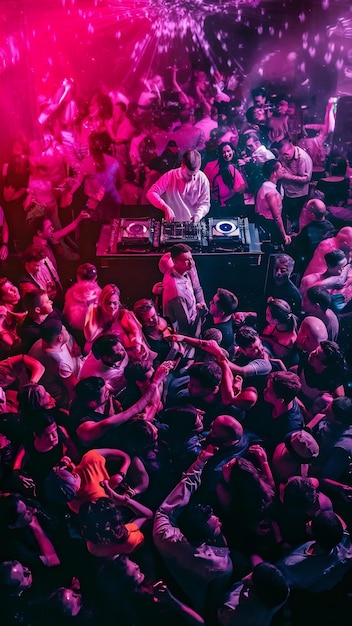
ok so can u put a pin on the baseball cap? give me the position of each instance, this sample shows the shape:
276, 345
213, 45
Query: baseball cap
303, 444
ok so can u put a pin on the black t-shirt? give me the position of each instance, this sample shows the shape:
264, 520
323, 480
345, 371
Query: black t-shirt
39, 464
211, 410
30, 331
274, 430
327, 380
227, 330
289, 292
335, 191
310, 236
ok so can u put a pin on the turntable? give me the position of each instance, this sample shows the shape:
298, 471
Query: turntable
224, 228
230, 233
134, 232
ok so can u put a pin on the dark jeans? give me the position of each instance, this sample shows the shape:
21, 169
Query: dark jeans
270, 227
292, 208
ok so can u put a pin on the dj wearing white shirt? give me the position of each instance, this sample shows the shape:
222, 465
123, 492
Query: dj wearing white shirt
183, 193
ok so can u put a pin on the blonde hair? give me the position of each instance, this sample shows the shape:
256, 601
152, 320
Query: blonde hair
106, 293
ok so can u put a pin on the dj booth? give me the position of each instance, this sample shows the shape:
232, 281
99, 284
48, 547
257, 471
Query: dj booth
226, 251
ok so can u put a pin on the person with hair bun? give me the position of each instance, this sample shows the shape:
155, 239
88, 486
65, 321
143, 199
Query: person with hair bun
280, 334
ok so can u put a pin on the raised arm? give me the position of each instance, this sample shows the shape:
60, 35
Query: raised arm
179, 498
58, 234
91, 322
90, 431
183, 98
231, 386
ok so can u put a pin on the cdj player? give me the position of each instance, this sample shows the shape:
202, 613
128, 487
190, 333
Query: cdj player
147, 235
134, 231
230, 233
134, 234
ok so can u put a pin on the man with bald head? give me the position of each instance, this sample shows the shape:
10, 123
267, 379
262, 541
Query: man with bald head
341, 241
231, 441
334, 278
314, 227
311, 332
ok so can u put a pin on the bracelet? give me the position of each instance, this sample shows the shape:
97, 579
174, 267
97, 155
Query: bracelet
4, 243
121, 474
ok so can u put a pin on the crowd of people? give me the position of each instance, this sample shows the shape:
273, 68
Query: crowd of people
181, 460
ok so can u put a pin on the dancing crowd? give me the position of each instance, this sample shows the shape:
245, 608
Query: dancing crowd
180, 460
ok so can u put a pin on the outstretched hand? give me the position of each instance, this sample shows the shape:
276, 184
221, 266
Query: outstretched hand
162, 371
208, 452
162, 593
259, 452
212, 347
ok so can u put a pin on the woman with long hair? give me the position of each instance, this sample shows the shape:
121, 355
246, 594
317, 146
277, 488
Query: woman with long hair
109, 316
246, 500
226, 182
